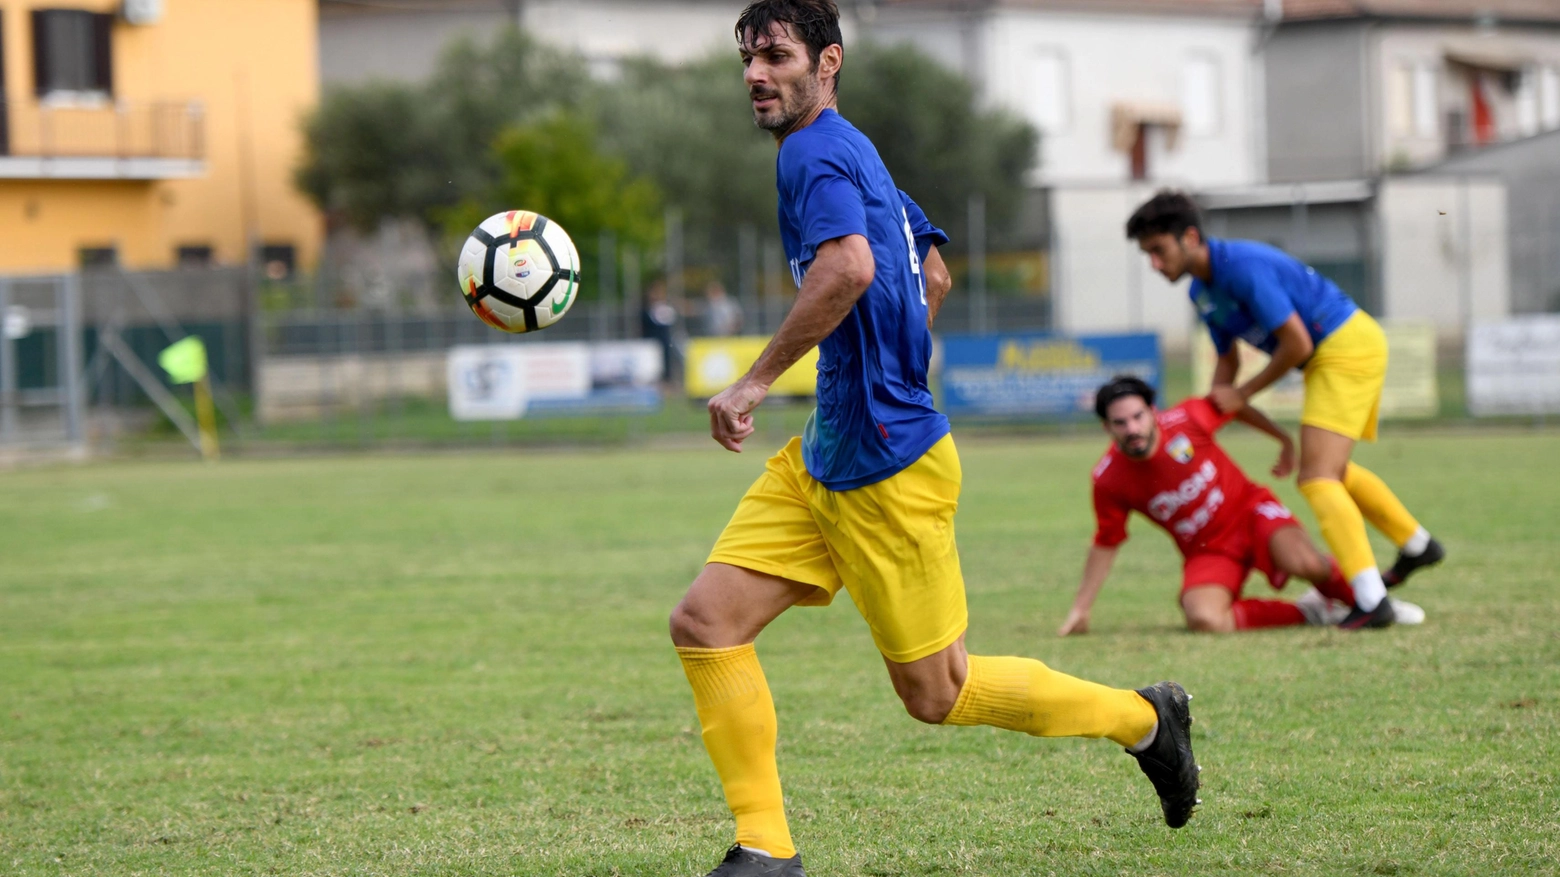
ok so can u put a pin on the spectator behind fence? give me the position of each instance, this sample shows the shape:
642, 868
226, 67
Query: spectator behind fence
659, 322
722, 316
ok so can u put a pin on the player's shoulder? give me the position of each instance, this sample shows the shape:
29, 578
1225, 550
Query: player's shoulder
1176, 415
828, 140
1103, 466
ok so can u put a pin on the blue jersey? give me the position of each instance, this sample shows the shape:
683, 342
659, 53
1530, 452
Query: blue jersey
874, 415
1255, 288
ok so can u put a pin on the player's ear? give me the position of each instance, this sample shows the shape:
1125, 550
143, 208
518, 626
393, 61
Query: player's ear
830, 60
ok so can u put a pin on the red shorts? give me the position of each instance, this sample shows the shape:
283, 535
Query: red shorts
1227, 561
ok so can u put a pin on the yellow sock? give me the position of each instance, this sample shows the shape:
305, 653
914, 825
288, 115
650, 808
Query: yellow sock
1379, 504
737, 714
1022, 694
1343, 527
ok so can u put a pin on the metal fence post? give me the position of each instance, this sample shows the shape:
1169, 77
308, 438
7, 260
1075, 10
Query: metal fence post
68, 336
977, 253
7, 370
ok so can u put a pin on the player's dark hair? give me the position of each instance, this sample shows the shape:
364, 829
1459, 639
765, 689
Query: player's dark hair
816, 23
1168, 212
1120, 387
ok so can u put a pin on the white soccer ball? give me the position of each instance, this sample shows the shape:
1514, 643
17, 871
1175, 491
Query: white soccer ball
519, 271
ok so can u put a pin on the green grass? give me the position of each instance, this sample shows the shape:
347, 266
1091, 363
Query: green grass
458, 665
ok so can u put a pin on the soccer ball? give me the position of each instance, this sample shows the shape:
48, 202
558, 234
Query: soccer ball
519, 271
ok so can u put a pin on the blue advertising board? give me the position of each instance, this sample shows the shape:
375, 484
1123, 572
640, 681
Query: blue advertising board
1039, 374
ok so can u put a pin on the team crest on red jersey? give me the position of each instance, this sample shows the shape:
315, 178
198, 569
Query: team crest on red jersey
1180, 449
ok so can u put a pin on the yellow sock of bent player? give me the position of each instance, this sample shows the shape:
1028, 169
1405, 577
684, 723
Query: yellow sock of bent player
1379, 504
1343, 527
737, 714
1022, 694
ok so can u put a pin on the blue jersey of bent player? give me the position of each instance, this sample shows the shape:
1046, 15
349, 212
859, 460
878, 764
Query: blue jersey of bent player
874, 414
1254, 290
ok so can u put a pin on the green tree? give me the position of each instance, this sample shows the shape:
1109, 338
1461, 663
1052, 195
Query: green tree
936, 141
690, 129
385, 149
552, 166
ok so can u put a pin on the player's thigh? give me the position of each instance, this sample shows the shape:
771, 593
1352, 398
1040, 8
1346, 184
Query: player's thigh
729, 606
1294, 553
1343, 382
929, 686
775, 531
893, 544
1210, 585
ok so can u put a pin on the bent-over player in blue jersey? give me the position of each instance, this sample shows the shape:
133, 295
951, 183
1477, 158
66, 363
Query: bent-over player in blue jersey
865, 500
1302, 320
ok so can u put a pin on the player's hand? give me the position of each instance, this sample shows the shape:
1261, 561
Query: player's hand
731, 413
1227, 399
1286, 460
1077, 622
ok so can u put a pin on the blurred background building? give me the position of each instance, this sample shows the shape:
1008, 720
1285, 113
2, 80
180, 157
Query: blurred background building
155, 133
287, 177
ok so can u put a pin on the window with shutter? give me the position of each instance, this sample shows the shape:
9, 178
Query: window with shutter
72, 53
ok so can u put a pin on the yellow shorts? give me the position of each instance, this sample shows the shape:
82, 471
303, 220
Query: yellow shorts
1343, 379
889, 544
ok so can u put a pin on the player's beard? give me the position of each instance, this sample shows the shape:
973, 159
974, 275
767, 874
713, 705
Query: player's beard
1131, 448
792, 104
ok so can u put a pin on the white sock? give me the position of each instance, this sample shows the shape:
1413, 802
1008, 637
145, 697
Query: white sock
1369, 589
758, 852
1416, 543
1147, 741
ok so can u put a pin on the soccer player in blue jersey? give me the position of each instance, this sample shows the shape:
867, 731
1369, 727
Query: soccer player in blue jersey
865, 499
1249, 290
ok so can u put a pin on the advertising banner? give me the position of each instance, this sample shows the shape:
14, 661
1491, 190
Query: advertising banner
1410, 390
508, 381
715, 363
1514, 367
1039, 374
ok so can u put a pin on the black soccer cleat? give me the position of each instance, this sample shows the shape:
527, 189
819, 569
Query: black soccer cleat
1382, 616
1405, 566
1168, 761
744, 863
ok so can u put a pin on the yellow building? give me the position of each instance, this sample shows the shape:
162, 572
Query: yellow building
154, 133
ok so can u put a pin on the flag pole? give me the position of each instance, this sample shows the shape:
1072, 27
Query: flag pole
206, 415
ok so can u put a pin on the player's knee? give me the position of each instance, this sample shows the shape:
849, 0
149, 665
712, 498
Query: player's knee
930, 707
1209, 622
689, 627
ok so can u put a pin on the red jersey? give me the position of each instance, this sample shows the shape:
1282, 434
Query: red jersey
1187, 485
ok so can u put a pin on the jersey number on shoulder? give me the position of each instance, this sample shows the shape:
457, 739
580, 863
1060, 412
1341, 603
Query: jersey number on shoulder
915, 261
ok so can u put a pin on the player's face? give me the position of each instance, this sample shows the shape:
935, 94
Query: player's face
1130, 422
782, 80
1170, 256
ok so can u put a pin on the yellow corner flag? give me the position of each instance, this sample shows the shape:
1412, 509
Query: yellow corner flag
184, 360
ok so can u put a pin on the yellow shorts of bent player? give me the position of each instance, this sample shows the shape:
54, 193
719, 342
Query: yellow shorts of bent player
889, 545
1344, 377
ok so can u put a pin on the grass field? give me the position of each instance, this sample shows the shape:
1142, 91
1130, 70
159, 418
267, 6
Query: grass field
458, 665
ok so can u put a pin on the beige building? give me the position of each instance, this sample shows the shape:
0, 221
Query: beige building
155, 133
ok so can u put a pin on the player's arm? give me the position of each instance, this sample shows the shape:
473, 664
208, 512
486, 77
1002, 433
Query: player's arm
841, 271
1096, 569
1294, 347
1262, 297
1259, 421
938, 282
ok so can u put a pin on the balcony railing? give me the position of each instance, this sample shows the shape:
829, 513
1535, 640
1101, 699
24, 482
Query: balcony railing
111, 138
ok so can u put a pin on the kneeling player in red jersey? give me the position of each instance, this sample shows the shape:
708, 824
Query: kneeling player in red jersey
1167, 466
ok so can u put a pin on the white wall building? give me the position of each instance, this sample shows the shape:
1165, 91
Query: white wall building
401, 39
1167, 91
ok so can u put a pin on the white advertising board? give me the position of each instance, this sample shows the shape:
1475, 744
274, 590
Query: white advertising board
1514, 367
486, 383
1409, 391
